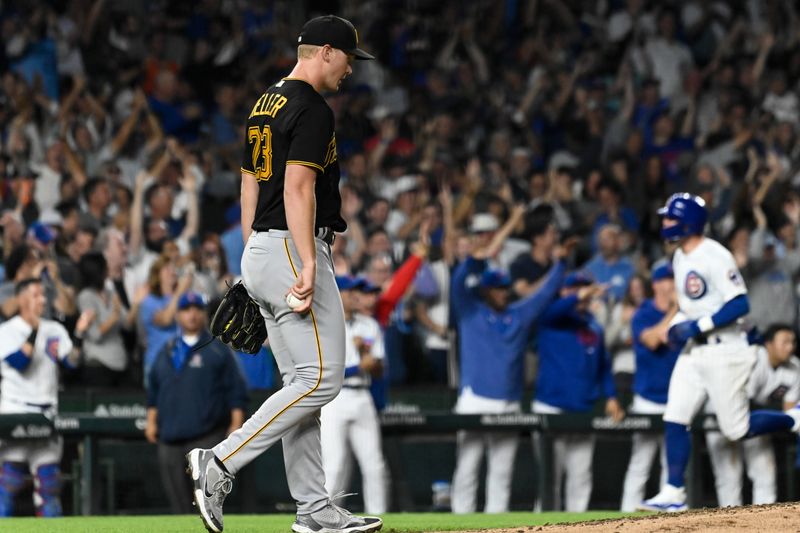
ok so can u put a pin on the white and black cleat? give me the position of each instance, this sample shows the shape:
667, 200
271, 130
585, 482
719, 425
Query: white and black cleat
334, 519
212, 483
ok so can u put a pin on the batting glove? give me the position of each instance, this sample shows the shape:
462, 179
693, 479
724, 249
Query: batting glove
754, 336
682, 332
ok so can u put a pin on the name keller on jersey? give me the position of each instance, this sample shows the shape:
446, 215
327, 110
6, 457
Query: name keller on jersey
269, 104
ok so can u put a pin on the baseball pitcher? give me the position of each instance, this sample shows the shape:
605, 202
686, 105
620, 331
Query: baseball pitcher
290, 211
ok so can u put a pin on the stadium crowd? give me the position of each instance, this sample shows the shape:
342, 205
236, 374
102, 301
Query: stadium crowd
520, 136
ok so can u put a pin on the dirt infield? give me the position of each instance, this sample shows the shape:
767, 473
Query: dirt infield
777, 518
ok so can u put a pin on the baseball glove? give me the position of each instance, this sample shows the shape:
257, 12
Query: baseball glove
238, 321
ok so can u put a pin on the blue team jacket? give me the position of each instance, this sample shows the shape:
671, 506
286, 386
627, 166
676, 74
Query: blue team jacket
574, 367
653, 368
491, 343
197, 397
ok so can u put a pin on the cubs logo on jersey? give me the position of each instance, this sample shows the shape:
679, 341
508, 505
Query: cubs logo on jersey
778, 394
196, 361
735, 277
588, 337
501, 324
51, 348
695, 286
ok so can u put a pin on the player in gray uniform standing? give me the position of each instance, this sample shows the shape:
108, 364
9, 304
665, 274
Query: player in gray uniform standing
290, 211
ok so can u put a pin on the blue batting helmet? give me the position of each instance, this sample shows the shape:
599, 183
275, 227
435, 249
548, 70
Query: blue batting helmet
690, 213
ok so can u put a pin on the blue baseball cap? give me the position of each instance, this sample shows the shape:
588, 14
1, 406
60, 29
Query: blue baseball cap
191, 298
578, 279
42, 233
347, 283
365, 285
663, 272
495, 279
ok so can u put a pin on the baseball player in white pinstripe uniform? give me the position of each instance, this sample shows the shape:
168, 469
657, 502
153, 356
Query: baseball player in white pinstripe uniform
32, 349
350, 422
775, 379
712, 298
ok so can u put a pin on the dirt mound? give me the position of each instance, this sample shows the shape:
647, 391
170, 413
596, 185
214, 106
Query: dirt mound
776, 518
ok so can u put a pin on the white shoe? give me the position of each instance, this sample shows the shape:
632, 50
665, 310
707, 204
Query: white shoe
334, 519
212, 483
670, 499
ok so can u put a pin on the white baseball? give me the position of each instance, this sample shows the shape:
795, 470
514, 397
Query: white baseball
293, 301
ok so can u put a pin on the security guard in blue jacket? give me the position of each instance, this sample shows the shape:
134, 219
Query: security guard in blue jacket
195, 398
574, 371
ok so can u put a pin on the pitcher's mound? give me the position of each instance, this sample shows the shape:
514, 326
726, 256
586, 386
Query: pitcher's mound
776, 518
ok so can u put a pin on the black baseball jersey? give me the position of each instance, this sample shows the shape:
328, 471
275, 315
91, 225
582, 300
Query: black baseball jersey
291, 124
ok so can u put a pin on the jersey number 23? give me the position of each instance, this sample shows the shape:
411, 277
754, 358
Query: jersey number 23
261, 142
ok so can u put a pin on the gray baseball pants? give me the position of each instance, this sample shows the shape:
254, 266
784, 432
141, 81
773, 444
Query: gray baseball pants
310, 352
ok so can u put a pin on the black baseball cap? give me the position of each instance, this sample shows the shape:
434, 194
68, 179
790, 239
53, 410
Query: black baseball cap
335, 31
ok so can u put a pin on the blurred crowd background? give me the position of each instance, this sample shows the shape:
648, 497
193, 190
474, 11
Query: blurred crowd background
121, 136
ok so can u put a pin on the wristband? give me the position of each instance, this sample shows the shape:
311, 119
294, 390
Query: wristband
32, 337
705, 324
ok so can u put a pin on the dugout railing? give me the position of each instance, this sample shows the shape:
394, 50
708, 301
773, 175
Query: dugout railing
91, 428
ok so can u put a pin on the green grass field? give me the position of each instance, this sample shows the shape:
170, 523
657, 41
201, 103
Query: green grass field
400, 522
